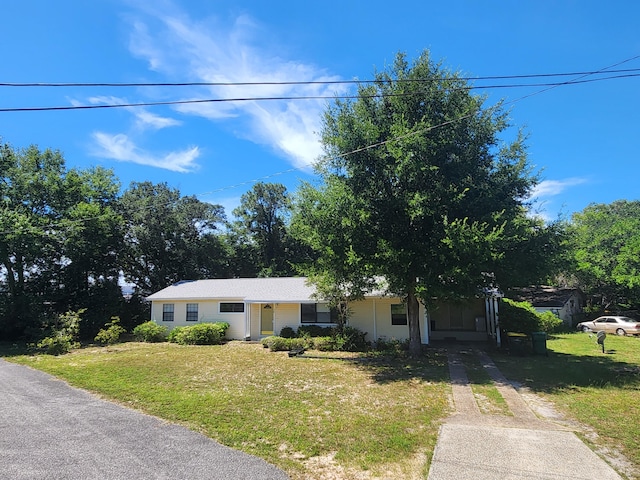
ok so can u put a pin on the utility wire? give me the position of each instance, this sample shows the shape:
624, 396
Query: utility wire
303, 97
303, 82
378, 144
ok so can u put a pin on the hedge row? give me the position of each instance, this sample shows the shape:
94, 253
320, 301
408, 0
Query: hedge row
348, 339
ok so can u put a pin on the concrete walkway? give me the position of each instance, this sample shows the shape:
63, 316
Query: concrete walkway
479, 446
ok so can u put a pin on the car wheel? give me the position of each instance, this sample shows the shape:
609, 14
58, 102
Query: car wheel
620, 332
585, 328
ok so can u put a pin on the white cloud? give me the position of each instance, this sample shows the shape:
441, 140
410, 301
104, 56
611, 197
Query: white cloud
550, 188
145, 119
121, 148
205, 50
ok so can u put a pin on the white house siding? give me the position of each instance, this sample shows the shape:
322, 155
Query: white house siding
363, 317
373, 315
254, 318
566, 312
208, 311
286, 315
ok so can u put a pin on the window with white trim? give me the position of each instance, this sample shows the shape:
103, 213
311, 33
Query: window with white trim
317, 313
231, 307
192, 312
167, 312
398, 314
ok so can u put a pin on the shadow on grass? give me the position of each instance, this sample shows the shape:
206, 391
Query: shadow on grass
13, 349
561, 371
430, 367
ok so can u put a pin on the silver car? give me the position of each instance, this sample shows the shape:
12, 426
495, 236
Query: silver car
611, 324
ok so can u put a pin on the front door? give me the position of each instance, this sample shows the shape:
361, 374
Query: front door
266, 320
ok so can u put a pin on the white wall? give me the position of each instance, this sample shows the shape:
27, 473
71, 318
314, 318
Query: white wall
208, 311
372, 316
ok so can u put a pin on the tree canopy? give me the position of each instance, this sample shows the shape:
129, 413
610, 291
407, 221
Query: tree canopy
169, 237
604, 245
262, 220
59, 233
430, 196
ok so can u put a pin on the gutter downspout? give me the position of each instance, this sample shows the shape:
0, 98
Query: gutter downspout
247, 321
375, 321
498, 339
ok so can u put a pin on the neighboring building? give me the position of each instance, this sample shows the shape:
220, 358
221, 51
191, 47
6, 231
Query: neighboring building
566, 303
258, 307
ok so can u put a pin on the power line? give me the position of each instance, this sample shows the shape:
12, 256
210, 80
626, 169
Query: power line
302, 97
394, 139
302, 82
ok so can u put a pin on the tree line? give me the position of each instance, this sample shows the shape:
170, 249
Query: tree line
416, 185
69, 238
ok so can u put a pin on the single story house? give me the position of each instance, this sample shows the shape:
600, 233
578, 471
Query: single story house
566, 303
259, 307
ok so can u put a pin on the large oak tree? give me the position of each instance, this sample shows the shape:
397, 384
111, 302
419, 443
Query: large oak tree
432, 199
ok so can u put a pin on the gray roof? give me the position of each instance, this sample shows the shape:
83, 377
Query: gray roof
544, 296
283, 290
258, 290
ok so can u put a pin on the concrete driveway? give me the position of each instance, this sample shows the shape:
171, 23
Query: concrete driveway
49, 430
481, 446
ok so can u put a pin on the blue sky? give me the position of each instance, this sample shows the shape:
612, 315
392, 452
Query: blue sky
583, 138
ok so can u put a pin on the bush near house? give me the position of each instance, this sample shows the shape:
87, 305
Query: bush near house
200, 334
550, 322
111, 333
314, 331
521, 317
287, 332
326, 339
282, 344
150, 332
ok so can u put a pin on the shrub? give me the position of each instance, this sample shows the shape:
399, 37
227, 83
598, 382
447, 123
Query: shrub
351, 339
281, 344
64, 334
549, 322
518, 317
199, 334
393, 346
174, 334
287, 332
297, 343
150, 332
324, 344
314, 331
111, 334
57, 344
267, 341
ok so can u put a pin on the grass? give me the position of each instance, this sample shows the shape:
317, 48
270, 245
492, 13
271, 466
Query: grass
599, 390
335, 415
347, 415
487, 396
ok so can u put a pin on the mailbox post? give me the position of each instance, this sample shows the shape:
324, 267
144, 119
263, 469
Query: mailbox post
600, 336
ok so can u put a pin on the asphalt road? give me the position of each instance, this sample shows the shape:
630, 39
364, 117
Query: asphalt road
49, 430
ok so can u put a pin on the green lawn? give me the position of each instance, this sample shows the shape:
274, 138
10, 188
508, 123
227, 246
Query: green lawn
348, 415
333, 416
599, 390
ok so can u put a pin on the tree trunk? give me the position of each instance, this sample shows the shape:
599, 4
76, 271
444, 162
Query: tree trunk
413, 317
11, 280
